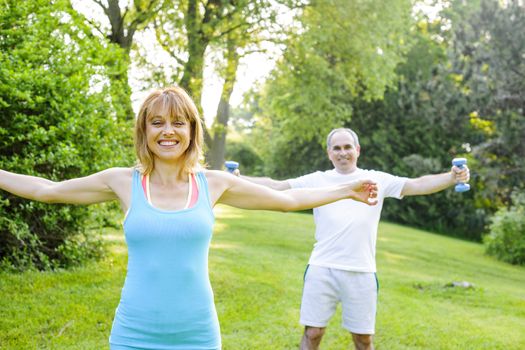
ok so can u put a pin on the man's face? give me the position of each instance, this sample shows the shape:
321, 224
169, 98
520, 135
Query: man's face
343, 152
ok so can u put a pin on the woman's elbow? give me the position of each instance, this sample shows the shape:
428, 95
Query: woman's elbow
290, 206
46, 195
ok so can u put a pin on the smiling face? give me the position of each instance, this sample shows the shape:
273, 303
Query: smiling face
168, 127
343, 152
168, 136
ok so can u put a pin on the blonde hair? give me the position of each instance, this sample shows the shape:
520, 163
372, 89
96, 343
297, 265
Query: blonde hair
175, 102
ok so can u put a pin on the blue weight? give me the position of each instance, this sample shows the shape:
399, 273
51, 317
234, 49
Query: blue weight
460, 162
231, 165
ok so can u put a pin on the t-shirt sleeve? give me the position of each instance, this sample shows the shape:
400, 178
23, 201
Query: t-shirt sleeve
305, 181
393, 185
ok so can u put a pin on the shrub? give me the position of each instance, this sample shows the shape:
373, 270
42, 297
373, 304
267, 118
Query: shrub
56, 122
506, 240
250, 162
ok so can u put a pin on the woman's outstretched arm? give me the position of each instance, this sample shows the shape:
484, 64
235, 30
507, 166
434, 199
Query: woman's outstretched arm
231, 190
95, 188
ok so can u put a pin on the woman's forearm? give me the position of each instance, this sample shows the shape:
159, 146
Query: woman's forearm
362, 191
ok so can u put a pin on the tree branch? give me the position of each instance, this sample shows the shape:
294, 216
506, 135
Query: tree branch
104, 8
165, 46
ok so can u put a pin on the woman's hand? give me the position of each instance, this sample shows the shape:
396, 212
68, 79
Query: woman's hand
364, 191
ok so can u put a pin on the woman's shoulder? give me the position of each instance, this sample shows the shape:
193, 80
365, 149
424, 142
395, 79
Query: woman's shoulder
120, 171
118, 174
214, 174
219, 178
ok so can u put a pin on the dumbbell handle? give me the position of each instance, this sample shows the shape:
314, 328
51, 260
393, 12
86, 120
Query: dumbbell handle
460, 163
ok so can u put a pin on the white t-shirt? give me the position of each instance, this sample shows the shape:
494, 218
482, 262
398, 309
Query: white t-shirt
346, 231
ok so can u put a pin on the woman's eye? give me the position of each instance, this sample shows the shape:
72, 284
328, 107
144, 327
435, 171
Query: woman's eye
179, 123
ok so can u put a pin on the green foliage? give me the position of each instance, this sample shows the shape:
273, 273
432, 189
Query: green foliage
458, 92
506, 240
244, 153
488, 51
56, 123
344, 49
416, 130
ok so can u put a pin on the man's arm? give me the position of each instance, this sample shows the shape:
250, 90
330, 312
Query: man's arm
268, 182
434, 183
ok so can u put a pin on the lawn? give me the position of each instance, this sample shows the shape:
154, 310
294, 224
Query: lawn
257, 260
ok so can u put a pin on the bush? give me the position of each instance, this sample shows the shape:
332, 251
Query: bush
250, 163
56, 122
506, 240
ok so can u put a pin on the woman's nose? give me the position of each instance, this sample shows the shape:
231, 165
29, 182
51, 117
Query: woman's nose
169, 129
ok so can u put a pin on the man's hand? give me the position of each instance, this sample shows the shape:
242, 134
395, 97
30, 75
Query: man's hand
364, 191
460, 174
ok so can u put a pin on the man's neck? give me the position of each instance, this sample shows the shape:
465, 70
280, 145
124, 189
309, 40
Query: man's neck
346, 171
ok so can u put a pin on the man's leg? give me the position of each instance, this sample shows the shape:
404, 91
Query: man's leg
318, 304
363, 341
312, 338
359, 301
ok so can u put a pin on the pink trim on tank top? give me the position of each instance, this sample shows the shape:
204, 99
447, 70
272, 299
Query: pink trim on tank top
194, 190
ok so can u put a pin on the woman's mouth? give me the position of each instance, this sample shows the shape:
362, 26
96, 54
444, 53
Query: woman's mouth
168, 142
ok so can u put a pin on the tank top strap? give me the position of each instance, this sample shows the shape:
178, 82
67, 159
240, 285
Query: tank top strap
204, 193
137, 191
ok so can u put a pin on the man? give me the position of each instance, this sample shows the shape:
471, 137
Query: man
342, 264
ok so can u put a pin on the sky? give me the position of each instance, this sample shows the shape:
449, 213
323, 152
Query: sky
253, 68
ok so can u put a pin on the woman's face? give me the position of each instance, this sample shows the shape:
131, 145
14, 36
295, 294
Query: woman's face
167, 137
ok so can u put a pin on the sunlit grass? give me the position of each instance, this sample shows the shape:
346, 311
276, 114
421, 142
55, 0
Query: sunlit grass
257, 261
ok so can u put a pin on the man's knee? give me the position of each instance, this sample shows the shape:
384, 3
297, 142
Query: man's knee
362, 341
314, 333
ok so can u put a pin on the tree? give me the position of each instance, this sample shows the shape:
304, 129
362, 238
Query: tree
417, 129
217, 147
489, 46
345, 49
189, 28
341, 50
56, 123
124, 22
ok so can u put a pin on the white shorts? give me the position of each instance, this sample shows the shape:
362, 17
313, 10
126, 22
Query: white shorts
325, 287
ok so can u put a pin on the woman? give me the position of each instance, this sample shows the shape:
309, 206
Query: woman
167, 300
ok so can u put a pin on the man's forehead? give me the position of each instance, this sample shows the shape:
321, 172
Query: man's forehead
342, 138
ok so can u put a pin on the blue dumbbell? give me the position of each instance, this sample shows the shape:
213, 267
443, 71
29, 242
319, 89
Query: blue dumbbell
460, 162
231, 165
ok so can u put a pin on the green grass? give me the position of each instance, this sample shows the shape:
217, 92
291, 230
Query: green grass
257, 262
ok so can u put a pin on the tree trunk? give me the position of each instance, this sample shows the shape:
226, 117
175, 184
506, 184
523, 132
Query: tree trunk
122, 33
119, 88
197, 43
220, 126
118, 75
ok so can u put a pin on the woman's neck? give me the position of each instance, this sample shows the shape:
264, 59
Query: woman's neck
166, 173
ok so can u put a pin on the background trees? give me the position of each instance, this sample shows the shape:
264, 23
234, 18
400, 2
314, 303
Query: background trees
188, 30
458, 91
56, 121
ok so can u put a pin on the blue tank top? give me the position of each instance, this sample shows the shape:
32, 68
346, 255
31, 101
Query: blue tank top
167, 300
